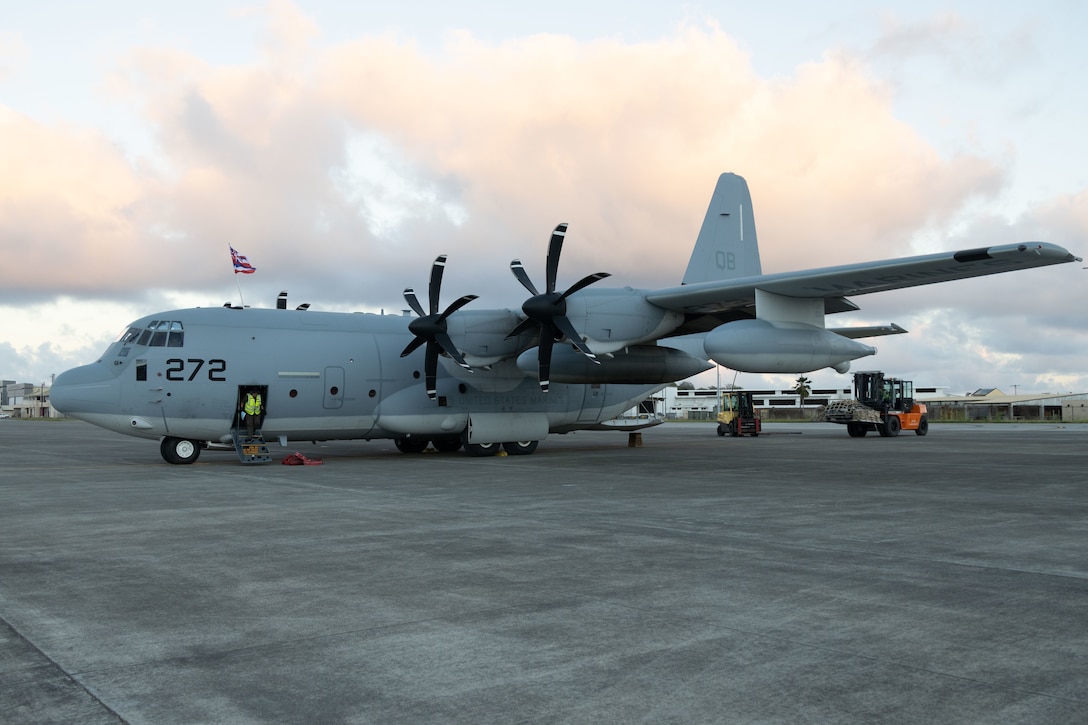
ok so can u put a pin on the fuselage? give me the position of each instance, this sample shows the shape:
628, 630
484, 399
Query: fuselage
325, 376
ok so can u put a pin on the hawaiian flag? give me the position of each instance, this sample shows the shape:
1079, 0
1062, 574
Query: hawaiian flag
241, 263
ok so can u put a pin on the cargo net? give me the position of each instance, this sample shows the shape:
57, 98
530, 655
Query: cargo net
850, 411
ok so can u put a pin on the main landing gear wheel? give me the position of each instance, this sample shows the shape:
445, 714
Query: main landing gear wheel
520, 448
480, 450
446, 445
179, 450
410, 445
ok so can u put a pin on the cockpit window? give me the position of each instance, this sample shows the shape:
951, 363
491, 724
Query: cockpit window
166, 333
130, 335
145, 337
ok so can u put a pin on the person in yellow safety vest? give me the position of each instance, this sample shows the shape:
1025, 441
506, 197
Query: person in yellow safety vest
253, 411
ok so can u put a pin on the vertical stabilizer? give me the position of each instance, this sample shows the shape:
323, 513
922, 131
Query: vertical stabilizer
726, 247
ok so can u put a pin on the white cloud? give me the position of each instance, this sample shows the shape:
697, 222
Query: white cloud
343, 170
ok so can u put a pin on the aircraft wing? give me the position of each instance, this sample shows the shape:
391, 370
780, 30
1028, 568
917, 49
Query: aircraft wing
833, 284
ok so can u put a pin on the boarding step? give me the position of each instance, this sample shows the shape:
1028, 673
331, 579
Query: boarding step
251, 450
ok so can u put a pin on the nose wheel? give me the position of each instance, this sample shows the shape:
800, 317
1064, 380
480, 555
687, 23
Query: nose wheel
179, 450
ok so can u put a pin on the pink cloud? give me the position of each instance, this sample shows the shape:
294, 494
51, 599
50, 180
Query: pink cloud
622, 140
66, 200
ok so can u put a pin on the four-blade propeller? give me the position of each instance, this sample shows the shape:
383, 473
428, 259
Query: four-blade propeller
548, 311
430, 328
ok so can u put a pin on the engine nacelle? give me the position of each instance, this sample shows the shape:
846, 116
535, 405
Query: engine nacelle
480, 335
637, 365
759, 346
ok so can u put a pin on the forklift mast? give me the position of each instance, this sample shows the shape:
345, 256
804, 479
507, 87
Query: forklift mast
883, 394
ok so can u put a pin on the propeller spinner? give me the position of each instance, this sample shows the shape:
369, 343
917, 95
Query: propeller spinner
548, 311
430, 328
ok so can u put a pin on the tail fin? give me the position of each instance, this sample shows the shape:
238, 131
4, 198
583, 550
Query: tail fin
726, 247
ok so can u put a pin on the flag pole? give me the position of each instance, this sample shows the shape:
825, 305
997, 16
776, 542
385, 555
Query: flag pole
240, 297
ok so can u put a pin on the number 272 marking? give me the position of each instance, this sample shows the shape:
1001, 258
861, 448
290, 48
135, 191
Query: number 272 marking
176, 371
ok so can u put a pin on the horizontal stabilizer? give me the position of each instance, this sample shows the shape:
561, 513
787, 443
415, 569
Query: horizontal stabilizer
855, 333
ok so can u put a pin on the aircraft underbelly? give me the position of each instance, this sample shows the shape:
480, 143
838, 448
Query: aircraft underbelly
592, 402
501, 427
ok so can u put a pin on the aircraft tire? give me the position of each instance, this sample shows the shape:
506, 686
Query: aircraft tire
411, 445
520, 448
179, 451
481, 450
446, 445
923, 426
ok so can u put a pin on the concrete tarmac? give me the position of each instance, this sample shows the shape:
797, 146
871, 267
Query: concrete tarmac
802, 576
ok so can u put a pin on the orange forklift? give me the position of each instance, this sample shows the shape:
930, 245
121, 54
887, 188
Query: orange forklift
886, 405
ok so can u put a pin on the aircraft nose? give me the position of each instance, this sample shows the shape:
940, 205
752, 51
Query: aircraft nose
86, 389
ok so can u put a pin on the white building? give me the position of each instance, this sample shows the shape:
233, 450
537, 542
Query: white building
988, 404
702, 403
26, 400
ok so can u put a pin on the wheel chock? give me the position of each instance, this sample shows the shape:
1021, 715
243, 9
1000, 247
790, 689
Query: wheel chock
297, 459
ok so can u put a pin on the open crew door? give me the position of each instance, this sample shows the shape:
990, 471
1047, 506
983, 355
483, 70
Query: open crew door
250, 450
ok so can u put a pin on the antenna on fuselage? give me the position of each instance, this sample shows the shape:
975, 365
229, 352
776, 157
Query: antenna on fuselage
281, 301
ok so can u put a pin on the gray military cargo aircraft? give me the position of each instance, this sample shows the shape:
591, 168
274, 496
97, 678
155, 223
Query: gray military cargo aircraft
485, 380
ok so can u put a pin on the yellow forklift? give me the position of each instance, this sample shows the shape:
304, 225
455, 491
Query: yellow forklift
737, 415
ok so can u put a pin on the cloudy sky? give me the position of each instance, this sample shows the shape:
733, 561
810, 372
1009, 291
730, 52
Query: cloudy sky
343, 146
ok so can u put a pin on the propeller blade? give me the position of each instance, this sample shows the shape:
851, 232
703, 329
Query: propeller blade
430, 370
456, 305
583, 283
527, 324
519, 271
555, 248
412, 346
410, 297
564, 325
544, 358
435, 288
450, 349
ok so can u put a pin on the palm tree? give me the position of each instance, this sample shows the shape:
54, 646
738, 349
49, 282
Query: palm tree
802, 389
